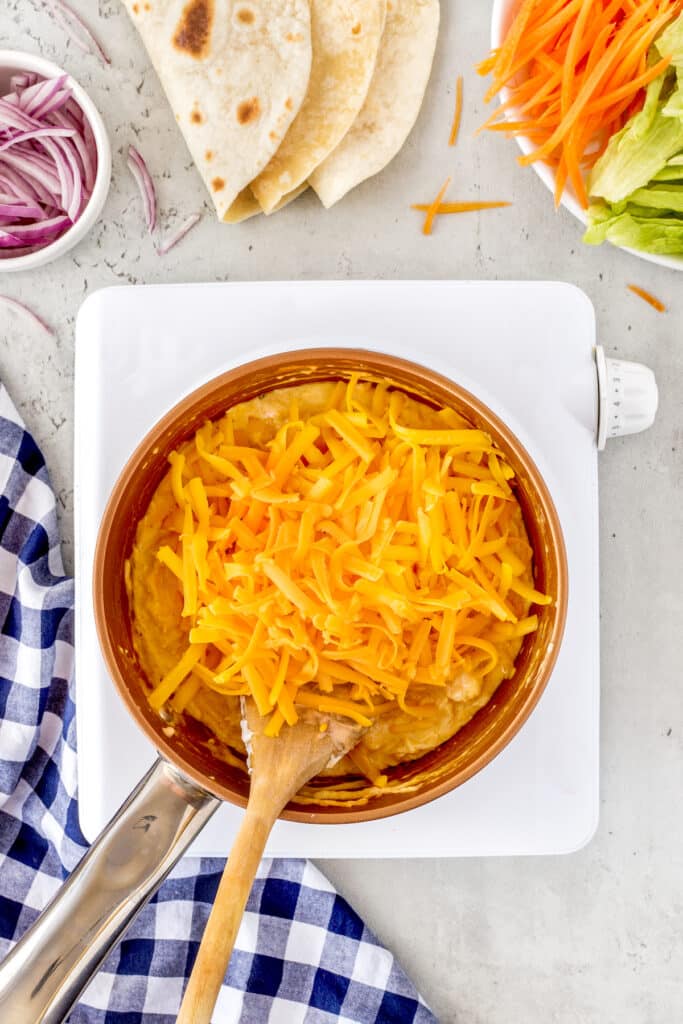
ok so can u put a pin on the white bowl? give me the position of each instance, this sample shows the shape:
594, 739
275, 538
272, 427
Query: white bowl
503, 13
12, 61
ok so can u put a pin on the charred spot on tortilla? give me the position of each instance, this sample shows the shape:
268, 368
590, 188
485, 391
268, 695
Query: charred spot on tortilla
208, 156
194, 28
196, 116
294, 37
136, 8
248, 110
246, 16
217, 184
289, 103
356, 30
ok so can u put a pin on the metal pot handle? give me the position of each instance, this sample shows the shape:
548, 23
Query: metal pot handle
47, 970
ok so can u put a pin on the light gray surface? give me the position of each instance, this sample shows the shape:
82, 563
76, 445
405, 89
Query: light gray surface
591, 938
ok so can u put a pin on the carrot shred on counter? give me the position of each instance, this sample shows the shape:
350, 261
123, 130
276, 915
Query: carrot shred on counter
647, 297
466, 207
433, 208
571, 73
457, 116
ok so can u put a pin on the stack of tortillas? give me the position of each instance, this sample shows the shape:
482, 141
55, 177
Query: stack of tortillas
275, 95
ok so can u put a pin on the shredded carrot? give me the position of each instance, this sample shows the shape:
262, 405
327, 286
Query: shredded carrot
573, 72
458, 207
648, 297
388, 555
433, 208
457, 116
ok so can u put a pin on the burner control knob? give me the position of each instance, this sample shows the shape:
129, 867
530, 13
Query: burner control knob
628, 397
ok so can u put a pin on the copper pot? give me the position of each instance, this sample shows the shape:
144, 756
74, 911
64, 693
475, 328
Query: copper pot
190, 781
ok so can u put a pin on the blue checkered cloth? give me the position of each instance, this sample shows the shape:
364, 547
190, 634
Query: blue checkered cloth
303, 956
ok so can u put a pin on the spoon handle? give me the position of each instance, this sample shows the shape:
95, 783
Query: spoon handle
227, 911
280, 767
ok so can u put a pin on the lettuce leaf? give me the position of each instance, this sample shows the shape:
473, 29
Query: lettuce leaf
671, 42
637, 184
642, 147
662, 236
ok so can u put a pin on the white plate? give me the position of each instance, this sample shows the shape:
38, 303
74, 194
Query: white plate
527, 351
503, 12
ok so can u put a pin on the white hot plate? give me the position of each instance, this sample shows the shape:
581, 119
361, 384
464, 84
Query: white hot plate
527, 349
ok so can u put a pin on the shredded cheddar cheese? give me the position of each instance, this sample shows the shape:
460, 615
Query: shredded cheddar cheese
346, 561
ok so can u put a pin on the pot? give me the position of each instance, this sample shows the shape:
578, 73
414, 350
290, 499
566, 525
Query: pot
48, 969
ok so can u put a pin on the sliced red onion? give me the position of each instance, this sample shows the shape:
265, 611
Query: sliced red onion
19, 250
31, 169
48, 226
63, 120
74, 111
62, 19
32, 98
63, 172
13, 118
48, 163
22, 80
42, 229
14, 185
19, 187
173, 239
77, 29
38, 133
16, 211
53, 102
143, 179
21, 308
73, 207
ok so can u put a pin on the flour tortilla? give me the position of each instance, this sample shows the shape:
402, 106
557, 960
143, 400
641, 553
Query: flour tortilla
245, 206
346, 37
393, 102
235, 73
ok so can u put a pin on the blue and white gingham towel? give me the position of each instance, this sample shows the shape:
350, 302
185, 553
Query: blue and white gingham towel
303, 955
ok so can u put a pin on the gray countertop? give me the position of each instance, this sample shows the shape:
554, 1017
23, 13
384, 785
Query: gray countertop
595, 937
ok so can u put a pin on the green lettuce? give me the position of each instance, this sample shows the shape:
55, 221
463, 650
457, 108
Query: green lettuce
642, 147
661, 236
637, 184
671, 42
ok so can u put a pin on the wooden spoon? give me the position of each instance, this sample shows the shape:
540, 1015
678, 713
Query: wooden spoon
279, 767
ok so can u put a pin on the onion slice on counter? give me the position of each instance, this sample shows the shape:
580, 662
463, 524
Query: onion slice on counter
48, 163
19, 307
143, 179
77, 30
174, 238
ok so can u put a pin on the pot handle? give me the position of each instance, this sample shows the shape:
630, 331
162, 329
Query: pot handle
47, 970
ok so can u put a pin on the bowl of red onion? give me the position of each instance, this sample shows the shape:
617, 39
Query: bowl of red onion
55, 161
